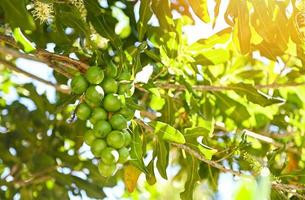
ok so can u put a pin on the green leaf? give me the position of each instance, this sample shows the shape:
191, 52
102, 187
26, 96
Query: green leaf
254, 96
197, 131
19, 37
169, 110
136, 152
208, 153
17, 15
162, 153
192, 178
200, 8
220, 37
167, 132
156, 102
212, 57
231, 107
145, 15
73, 19
103, 22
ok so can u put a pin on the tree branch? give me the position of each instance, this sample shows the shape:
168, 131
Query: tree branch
40, 55
222, 88
60, 88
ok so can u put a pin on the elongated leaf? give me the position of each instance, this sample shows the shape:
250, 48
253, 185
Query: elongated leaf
192, 178
243, 27
136, 152
151, 178
131, 175
200, 8
19, 37
253, 95
163, 12
17, 15
169, 110
262, 20
216, 11
162, 158
167, 132
145, 15
197, 131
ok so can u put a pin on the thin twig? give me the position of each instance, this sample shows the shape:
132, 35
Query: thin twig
203, 159
38, 177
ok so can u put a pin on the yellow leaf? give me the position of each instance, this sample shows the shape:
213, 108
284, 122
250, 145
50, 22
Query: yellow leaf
131, 175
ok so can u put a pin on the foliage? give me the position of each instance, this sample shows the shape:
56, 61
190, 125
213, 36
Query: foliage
231, 102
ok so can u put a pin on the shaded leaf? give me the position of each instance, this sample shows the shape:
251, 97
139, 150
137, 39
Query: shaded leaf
253, 95
231, 107
192, 178
145, 15
136, 152
17, 15
162, 154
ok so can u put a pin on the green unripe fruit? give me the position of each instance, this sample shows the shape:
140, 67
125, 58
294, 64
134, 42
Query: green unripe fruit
111, 103
94, 75
92, 104
97, 147
110, 85
118, 122
109, 155
123, 155
98, 114
116, 139
111, 70
83, 111
102, 128
89, 137
94, 94
127, 137
106, 170
79, 84
127, 113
